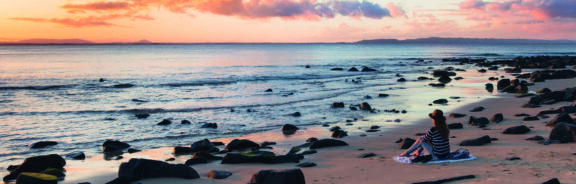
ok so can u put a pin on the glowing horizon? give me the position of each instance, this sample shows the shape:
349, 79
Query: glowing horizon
193, 21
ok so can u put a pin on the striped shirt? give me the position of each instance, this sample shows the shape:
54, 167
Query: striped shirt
440, 145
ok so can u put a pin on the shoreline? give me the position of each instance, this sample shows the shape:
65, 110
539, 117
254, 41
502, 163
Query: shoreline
342, 165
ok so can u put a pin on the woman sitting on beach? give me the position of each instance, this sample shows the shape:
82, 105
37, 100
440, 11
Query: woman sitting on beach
436, 139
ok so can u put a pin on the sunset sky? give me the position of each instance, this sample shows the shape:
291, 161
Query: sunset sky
284, 20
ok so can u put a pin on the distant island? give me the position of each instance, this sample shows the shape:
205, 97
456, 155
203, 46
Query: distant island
438, 40
431, 40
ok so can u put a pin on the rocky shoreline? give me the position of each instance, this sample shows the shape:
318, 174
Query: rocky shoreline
489, 133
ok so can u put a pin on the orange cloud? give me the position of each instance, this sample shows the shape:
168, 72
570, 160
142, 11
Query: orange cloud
81, 22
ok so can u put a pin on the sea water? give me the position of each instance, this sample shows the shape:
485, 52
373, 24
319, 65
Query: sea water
54, 92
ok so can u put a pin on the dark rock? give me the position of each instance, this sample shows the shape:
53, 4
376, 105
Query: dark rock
423, 78
497, 118
288, 158
365, 106
406, 143
248, 157
76, 155
202, 145
440, 73
513, 70
132, 150
37, 164
138, 169
482, 70
323, 143
513, 158
266, 143
307, 164
436, 85
492, 78
337, 69
382, 95
563, 117
194, 161
289, 129
563, 132
312, 139
447, 180
368, 69
307, 66
522, 114
502, 83
353, 69
458, 78
401, 80
544, 90
444, 79
101, 80
209, 125
440, 101
536, 138
489, 87
43, 144
291, 176
339, 134
268, 90
178, 150
477, 109
531, 118
455, 126
240, 144
216, 174
114, 145
338, 105
480, 122
367, 155
127, 85
170, 159
309, 152
374, 127
36, 178
477, 142
12, 167
142, 115
335, 128
164, 122
552, 181
296, 114
521, 129
185, 122
206, 155
457, 115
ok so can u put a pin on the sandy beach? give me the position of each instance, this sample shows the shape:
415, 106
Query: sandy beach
538, 163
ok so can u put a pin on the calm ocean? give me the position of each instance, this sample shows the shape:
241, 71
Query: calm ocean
54, 93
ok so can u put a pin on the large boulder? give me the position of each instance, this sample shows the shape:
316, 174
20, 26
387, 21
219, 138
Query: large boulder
43, 144
248, 157
521, 129
138, 169
241, 144
203, 145
477, 142
290, 176
563, 132
37, 164
559, 118
323, 143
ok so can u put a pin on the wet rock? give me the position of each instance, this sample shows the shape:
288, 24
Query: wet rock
457, 115
406, 143
312, 139
455, 126
269, 90
368, 69
217, 174
335, 128
521, 129
203, 145
309, 152
289, 129
209, 125
338, 105
497, 118
536, 138
365, 106
206, 155
489, 87
423, 78
37, 164
43, 144
458, 78
324, 143
513, 70
381, 95
367, 155
194, 161
353, 69
563, 117
142, 115
164, 122
401, 80
138, 169
78, 155
307, 164
10, 168
440, 73
114, 145
437, 85
477, 109
291, 176
178, 150
544, 90
502, 83
248, 157
513, 158
339, 134
521, 114
482, 70
337, 69
531, 118
185, 122
240, 144
440, 101
563, 132
444, 79
480, 122
126, 85
477, 142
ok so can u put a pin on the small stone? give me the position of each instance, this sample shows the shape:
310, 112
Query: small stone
306, 164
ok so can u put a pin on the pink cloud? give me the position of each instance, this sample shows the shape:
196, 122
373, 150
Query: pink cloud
395, 11
82, 22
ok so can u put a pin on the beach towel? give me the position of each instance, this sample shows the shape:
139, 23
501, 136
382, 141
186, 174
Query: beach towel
456, 156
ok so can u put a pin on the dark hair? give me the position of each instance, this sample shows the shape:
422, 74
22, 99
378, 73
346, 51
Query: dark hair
442, 128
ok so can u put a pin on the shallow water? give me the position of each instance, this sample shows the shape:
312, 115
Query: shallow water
53, 92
